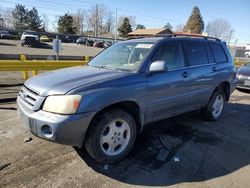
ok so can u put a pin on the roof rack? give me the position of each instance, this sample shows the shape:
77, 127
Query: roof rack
188, 35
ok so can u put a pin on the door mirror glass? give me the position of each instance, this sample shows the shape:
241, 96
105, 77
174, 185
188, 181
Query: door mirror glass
157, 66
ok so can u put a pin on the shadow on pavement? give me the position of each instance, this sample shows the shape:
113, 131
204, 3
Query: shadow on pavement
6, 44
205, 150
42, 45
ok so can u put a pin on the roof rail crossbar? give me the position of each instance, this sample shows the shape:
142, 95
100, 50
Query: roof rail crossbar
197, 35
188, 35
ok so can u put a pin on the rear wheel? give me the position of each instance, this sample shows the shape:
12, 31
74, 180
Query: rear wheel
214, 108
111, 136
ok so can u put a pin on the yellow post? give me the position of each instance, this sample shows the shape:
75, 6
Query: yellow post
34, 72
25, 73
86, 58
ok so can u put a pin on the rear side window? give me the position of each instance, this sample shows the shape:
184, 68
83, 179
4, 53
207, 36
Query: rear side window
197, 53
219, 54
172, 54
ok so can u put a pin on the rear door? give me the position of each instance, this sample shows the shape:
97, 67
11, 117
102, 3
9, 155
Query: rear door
202, 72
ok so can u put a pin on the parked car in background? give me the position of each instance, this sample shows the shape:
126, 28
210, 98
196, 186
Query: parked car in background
98, 44
30, 38
4, 34
107, 44
131, 84
45, 38
89, 42
243, 76
247, 54
70, 39
81, 40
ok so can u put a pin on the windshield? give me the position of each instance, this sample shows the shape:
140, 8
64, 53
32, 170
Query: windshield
122, 56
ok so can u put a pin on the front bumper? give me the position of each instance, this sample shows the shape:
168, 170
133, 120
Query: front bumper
62, 129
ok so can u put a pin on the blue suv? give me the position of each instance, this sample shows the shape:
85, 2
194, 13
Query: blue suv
103, 106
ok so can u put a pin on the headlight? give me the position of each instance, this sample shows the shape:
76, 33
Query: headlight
62, 104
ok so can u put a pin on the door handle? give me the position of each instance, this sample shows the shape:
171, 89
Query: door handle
185, 74
214, 69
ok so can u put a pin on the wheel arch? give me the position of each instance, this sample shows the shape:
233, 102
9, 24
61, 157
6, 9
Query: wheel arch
130, 107
225, 87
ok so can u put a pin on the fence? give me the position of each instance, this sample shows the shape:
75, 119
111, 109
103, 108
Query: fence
17, 71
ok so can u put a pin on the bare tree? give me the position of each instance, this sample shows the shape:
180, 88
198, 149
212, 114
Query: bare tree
7, 18
179, 28
45, 22
219, 28
78, 23
55, 23
91, 19
109, 23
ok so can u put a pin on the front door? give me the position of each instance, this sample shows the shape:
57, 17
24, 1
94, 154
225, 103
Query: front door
167, 92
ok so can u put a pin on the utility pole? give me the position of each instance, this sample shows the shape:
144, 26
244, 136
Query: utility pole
96, 21
116, 24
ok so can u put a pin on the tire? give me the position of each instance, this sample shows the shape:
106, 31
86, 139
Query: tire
111, 136
213, 110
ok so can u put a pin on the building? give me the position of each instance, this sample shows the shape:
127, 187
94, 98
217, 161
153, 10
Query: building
139, 33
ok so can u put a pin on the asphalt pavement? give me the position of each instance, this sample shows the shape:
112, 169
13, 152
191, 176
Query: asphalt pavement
185, 151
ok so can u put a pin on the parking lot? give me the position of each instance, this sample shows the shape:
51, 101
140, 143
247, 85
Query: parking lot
184, 151
68, 49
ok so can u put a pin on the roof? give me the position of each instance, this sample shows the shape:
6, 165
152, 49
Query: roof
149, 31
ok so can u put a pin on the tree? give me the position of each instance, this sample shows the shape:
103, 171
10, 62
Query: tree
45, 22
195, 23
179, 28
219, 28
7, 18
168, 26
125, 28
65, 24
132, 21
33, 20
20, 17
139, 26
78, 21
109, 23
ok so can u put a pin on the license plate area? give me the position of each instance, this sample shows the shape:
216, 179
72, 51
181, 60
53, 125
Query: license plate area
247, 83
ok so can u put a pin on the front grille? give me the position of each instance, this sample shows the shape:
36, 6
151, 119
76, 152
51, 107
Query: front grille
28, 96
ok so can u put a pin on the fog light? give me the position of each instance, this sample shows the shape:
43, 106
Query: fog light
47, 131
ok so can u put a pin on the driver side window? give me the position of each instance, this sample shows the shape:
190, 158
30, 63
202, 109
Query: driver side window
172, 54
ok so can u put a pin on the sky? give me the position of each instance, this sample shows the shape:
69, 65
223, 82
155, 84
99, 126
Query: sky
154, 14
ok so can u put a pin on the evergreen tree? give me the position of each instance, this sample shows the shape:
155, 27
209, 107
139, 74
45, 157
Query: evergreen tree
20, 17
65, 24
34, 21
195, 23
168, 26
125, 28
139, 26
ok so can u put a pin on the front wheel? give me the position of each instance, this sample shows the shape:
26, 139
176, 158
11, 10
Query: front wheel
111, 136
214, 108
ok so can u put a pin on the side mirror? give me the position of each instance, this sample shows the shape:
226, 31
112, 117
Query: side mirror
157, 66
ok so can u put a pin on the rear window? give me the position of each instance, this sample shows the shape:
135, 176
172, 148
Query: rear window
197, 53
219, 54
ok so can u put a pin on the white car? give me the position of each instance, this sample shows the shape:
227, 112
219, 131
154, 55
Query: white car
29, 38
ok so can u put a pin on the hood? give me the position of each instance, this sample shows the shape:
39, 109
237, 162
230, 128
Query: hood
245, 71
63, 80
